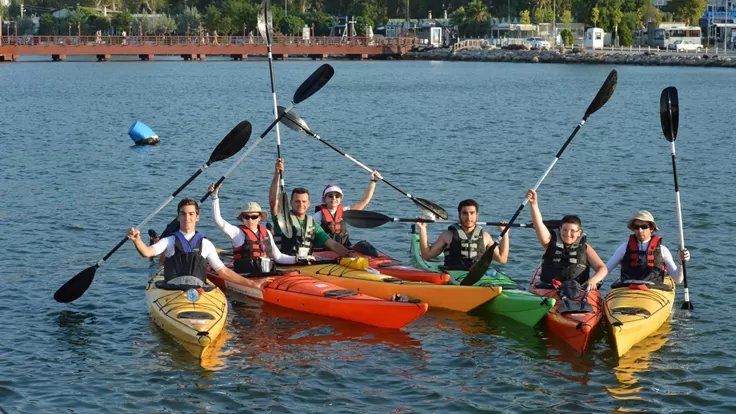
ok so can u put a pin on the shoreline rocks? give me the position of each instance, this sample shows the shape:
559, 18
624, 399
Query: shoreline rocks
575, 56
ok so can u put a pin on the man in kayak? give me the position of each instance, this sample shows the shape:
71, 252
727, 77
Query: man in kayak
306, 235
643, 256
463, 242
567, 255
187, 251
254, 250
329, 213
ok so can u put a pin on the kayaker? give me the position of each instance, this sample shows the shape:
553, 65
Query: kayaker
329, 213
643, 256
254, 250
307, 235
463, 242
567, 255
187, 251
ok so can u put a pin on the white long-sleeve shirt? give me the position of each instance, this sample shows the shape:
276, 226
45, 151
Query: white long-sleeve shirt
669, 262
238, 237
208, 249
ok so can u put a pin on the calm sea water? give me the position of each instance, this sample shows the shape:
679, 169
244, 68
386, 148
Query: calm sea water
71, 184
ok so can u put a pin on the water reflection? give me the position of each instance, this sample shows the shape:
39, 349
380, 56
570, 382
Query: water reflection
74, 331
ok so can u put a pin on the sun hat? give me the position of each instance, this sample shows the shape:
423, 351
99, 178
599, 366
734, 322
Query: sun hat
252, 207
643, 215
331, 188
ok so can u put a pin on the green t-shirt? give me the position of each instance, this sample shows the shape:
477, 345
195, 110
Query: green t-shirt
320, 237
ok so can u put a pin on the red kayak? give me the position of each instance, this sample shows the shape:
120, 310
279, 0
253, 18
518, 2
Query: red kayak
572, 319
304, 293
389, 266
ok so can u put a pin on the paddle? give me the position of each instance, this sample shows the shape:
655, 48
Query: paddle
603, 95
309, 87
669, 111
369, 219
229, 146
295, 122
265, 27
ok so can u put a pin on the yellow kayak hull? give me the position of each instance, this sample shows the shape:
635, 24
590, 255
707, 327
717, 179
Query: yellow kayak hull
197, 326
634, 314
453, 297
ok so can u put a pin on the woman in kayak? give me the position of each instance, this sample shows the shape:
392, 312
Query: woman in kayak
254, 251
329, 213
567, 255
643, 256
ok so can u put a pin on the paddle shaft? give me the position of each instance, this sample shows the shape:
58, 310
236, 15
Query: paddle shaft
421, 220
687, 304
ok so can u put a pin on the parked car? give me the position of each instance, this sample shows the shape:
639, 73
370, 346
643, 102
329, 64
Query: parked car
537, 43
685, 46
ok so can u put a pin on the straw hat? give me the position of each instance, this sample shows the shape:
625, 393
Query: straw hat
252, 207
643, 215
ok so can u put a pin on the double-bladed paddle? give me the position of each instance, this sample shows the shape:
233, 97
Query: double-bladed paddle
295, 122
669, 111
370, 219
229, 146
603, 95
265, 27
309, 87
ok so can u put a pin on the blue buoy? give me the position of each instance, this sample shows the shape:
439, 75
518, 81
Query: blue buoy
142, 134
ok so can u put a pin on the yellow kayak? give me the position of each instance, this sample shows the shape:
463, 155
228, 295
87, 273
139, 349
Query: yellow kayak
195, 321
637, 311
372, 283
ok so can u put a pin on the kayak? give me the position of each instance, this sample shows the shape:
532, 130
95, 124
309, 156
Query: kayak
141, 134
573, 320
390, 266
301, 292
194, 317
458, 298
513, 302
636, 310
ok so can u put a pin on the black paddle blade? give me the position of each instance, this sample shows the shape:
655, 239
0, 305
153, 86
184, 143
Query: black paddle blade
669, 112
430, 209
171, 228
283, 216
233, 142
687, 306
365, 219
314, 82
293, 121
76, 286
603, 95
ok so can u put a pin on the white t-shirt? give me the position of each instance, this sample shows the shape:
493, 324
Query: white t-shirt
208, 249
238, 237
317, 217
669, 263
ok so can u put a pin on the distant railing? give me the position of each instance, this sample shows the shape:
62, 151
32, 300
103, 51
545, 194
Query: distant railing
470, 44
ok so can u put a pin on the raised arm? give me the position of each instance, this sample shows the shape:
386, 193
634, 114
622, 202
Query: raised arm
430, 252
225, 227
501, 255
368, 192
273, 192
143, 249
542, 231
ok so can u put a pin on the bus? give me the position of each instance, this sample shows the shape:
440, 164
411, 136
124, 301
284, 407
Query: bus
664, 36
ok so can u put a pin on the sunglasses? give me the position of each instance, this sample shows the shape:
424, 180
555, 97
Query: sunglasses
334, 195
640, 226
257, 216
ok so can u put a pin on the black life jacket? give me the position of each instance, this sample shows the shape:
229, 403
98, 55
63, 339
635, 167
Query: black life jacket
464, 250
247, 257
187, 259
334, 226
565, 263
300, 239
643, 265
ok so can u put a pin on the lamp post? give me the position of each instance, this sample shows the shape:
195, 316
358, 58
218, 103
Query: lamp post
554, 22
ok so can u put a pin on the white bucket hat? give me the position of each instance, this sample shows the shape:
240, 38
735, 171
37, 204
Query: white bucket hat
252, 207
643, 215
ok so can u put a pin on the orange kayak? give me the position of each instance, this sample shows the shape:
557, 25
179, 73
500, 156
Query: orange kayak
304, 293
389, 266
570, 319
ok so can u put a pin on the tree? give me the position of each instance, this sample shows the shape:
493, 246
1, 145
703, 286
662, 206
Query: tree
291, 24
650, 13
226, 26
567, 37
524, 17
594, 16
25, 26
476, 18
362, 23
626, 39
189, 18
322, 22
212, 17
47, 25
122, 20
688, 11
566, 19
544, 14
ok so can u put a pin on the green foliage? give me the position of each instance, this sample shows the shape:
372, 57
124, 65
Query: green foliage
291, 25
524, 17
190, 18
688, 11
361, 24
649, 13
625, 37
544, 14
322, 23
225, 26
595, 15
122, 21
472, 21
566, 19
46, 25
99, 23
567, 37
212, 18
25, 25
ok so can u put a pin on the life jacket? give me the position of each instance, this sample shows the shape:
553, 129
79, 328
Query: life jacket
301, 238
187, 259
334, 226
565, 263
643, 265
464, 250
247, 257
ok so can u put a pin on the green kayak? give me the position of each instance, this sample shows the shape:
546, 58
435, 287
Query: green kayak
513, 302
